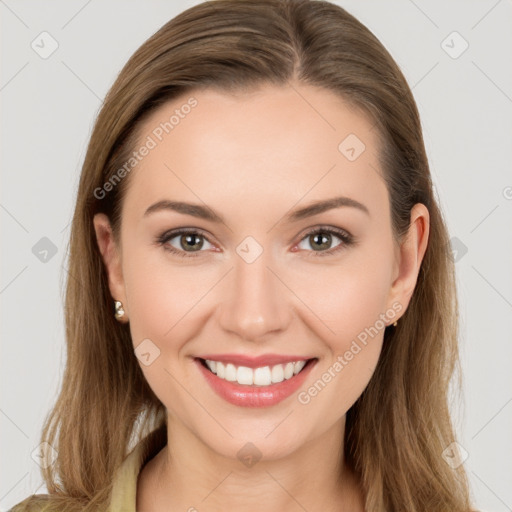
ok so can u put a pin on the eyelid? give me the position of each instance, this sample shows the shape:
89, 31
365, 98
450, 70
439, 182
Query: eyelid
325, 227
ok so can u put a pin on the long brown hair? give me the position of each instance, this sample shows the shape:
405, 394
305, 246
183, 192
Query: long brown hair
397, 430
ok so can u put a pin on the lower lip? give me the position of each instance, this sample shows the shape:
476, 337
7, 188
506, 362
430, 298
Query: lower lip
255, 396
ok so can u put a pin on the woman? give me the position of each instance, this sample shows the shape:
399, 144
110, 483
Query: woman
264, 305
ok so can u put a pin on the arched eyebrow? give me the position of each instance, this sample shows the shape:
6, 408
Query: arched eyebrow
203, 212
324, 205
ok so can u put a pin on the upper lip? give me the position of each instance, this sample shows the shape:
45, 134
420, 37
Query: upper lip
254, 362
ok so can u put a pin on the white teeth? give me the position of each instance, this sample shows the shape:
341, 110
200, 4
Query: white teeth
221, 370
230, 372
263, 376
288, 370
211, 365
245, 375
297, 367
277, 373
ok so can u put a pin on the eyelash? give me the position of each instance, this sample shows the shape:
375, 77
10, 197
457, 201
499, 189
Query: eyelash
345, 237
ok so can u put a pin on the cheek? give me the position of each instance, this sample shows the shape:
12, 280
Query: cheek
347, 296
341, 381
162, 299
353, 305
162, 294
351, 299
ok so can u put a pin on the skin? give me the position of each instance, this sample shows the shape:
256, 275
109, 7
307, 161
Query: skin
253, 157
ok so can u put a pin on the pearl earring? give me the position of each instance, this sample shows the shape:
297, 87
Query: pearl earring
119, 311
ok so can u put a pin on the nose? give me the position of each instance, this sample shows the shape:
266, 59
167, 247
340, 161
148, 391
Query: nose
256, 302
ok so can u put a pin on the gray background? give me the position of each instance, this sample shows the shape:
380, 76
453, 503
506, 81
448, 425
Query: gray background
48, 108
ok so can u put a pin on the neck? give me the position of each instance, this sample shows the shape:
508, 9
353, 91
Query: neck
188, 475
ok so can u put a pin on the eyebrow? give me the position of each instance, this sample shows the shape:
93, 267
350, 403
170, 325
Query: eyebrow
203, 212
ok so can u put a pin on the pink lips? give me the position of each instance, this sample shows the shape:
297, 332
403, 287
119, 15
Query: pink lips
254, 396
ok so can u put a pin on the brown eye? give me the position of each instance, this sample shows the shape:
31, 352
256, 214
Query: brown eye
191, 241
320, 241
183, 242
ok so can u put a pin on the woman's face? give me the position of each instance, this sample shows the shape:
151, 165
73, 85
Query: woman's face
274, 277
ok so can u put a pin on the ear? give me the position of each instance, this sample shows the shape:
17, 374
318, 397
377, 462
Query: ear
111, 255
409, 256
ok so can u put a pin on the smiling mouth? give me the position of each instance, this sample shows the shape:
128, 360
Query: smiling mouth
261, 376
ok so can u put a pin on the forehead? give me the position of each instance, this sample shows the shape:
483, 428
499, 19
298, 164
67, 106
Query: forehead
284, 144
